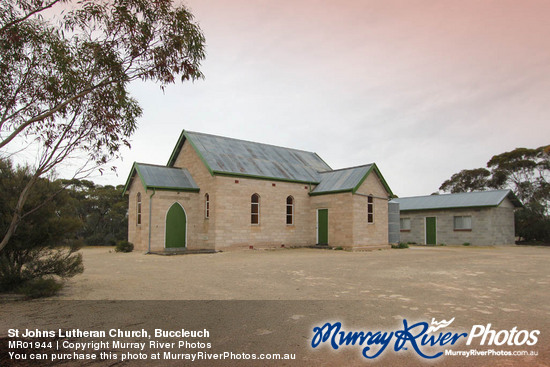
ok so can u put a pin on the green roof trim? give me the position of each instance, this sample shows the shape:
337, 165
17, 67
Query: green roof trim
181, 189
130, 176
231, 157
244, 175
204, 161
330, 192
176, 149
354, 189
374, 168
161, 178
451, 208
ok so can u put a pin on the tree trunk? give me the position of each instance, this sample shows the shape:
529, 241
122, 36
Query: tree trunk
17, 213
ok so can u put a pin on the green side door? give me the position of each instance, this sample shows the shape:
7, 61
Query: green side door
322, 226
176, 225
431, 230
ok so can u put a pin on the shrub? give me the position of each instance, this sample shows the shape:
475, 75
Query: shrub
44, 245
400, 245
124, 246
442, 244
339, 248
20, 266
466, 244
40, 287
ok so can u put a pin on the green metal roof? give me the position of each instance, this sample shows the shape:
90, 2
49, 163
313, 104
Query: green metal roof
162, 178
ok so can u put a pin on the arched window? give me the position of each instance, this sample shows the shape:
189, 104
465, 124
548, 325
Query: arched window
255, 209
207, 206
138, 208
290, 210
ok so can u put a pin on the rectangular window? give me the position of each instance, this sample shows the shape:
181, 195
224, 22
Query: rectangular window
255, 217
463, 223
405, 224
370, 210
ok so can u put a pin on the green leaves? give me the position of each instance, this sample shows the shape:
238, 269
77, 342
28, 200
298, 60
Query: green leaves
467, 180
525, 171
63, 83
68, 82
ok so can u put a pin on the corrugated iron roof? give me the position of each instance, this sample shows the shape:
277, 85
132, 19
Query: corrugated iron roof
345, 179
163, 178
228, 156
460, 200
232, 156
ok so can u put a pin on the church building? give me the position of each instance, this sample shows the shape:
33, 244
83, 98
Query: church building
218, 193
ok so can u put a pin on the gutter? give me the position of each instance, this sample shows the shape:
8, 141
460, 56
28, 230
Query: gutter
150, 221
372, 196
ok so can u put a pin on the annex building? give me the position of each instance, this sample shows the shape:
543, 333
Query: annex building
476, 218
218, 193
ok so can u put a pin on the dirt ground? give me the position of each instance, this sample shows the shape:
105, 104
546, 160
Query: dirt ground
495, 279
270, 300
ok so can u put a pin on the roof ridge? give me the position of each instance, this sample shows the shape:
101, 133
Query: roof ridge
346, 168
456, 193
158, 165
250, 141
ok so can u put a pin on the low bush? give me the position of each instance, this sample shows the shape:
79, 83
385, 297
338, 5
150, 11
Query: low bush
124, 246
400, 245
466, 244
40, 287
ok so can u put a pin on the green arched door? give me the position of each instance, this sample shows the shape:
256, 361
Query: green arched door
176, 227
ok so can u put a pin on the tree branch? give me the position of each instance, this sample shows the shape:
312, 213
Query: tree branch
30, 14
51, 112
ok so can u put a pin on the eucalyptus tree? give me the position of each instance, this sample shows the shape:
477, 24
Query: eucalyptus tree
65, 68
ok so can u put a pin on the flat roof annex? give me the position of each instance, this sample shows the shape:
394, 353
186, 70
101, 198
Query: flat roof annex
476, 199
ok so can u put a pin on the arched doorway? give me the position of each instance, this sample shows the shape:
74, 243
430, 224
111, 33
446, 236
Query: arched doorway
176, 227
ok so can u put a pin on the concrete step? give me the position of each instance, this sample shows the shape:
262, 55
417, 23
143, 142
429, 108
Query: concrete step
182, 251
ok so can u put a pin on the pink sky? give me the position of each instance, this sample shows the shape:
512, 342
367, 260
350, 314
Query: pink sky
422, 88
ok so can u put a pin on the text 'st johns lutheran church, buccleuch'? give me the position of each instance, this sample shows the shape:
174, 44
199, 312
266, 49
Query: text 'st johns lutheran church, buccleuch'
218, 193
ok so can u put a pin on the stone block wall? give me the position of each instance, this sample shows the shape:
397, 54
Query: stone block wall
370, 234
232, 210
229, 225
340, 217
138, 233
